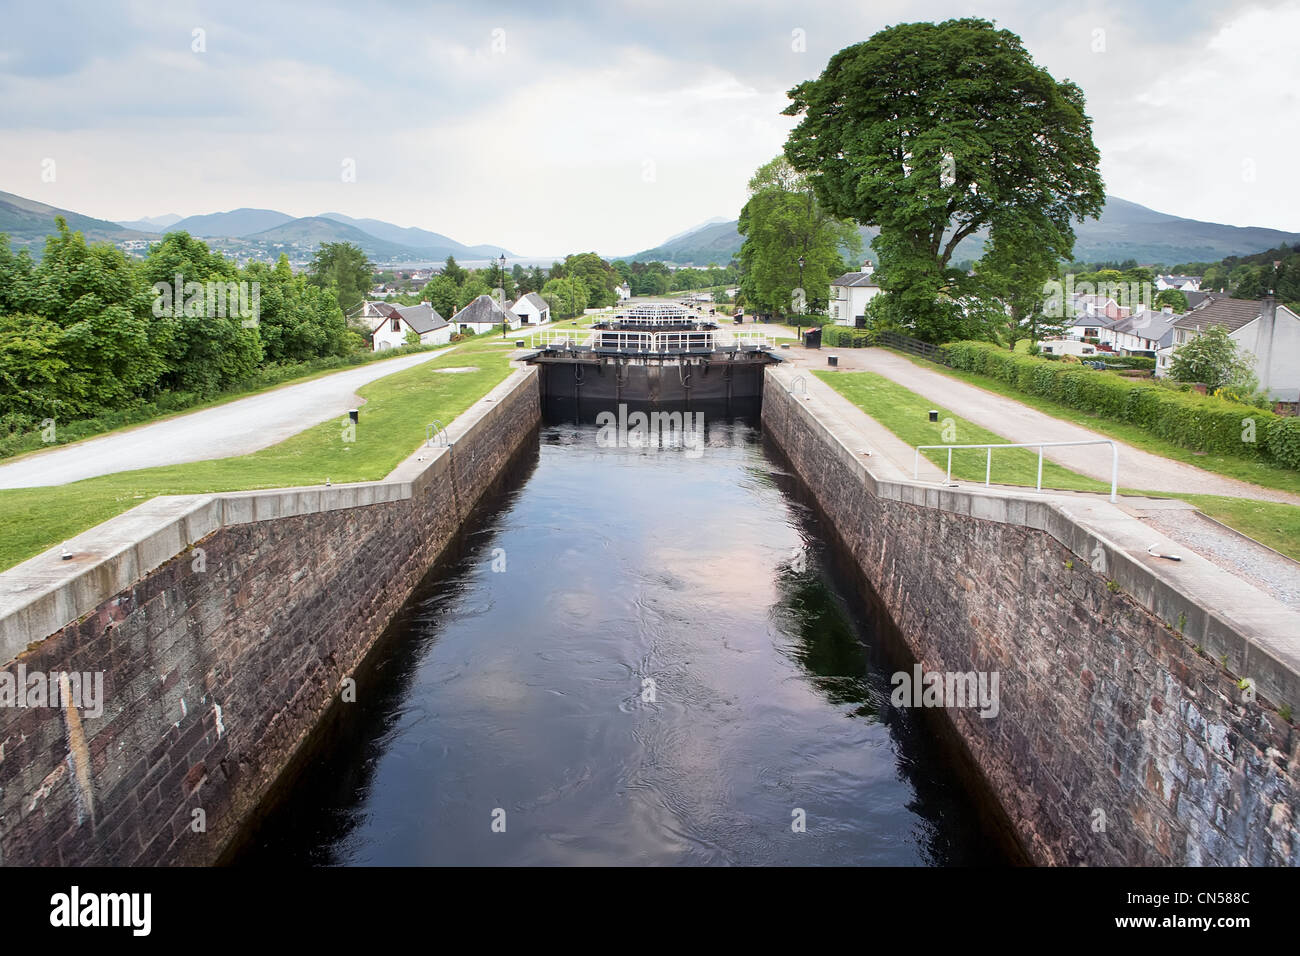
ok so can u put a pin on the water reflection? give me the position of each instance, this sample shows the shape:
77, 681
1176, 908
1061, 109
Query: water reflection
666, 670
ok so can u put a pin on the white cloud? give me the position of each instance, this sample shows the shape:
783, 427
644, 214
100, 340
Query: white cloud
1213, 134
606, 126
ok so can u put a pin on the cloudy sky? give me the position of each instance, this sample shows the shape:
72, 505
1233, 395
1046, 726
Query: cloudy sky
605, 125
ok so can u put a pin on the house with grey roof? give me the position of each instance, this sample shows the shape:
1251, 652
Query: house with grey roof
1268, 331
1142, 333
484, 314
393, 322
531, 307
850, 294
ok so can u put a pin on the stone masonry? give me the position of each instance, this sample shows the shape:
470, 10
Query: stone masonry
1118, 741
217, 665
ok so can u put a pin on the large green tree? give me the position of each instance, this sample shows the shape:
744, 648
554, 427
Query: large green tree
599, 277
298, 320
566, 297
207, 350
114, 348
346, 269
1012, 276
935, 132
441, 293
782, 221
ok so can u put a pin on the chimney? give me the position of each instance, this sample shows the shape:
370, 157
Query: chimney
1264, 339
868, 268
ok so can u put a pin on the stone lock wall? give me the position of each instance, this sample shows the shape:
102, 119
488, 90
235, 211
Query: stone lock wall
1117, 740
218, 665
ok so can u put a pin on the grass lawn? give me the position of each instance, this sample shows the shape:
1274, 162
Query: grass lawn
392, 424
1256, 472
905, 414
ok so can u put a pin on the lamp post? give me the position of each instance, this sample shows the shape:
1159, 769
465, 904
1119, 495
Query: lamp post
504, 321
798, 320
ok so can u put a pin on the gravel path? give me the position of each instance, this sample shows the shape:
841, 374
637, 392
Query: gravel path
1272, 573
235, 428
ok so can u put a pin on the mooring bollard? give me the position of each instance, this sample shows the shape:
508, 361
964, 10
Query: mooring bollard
934, 416
354, 415
833, 360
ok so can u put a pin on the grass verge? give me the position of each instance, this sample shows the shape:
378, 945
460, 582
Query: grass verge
904, 413
393, 420
1257, 472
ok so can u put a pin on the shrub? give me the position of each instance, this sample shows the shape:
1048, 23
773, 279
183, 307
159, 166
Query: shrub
1199, 422
843, 337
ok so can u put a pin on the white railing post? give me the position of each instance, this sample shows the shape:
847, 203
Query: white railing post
988, 467
1114, 470
1039, 486
950, 464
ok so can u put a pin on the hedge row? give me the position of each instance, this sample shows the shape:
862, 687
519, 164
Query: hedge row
1198, 422
843, 337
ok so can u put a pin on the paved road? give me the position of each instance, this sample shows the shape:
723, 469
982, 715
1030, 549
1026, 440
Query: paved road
1020, 423
236, 428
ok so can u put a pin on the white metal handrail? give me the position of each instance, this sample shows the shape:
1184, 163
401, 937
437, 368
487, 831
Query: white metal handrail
684, 341
988, 463
624, 341
545, 337
760, 339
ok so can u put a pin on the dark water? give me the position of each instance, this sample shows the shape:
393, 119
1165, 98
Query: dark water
524, 690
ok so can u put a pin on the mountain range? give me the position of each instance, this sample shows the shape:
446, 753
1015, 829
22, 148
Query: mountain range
1126, 230
251, 232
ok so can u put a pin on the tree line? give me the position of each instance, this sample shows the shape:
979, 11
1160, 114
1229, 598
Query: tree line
581, 281
86, 330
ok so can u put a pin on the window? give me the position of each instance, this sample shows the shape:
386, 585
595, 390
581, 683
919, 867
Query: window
397, 325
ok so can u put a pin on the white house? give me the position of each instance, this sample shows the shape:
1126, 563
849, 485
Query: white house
1264, 329
393, 322
624, 292
850, 294
1181, 283
531, 307
484, 314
